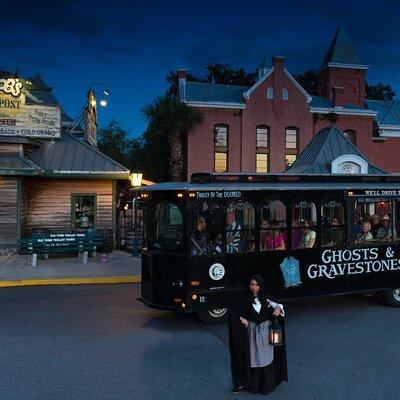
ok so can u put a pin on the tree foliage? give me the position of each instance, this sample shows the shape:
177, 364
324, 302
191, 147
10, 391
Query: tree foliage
379, 91
307, 81
169, 117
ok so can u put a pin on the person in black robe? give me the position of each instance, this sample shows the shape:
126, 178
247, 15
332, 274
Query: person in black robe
247, 315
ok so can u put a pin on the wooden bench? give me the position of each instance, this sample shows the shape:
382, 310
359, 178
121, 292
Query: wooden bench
44, 244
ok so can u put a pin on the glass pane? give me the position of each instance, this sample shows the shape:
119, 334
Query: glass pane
290, 159
221, 136
303, 223
291, 138
374, 222
262, 137
165, 226
262, 163
273, 235
206, 226
240, 223
333, 232
221, 162
84, 211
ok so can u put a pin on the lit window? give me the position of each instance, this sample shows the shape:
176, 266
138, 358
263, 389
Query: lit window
262, 136
290, 159
351, 135
270, 93
83, 211
221, 135
285, 94
221, 162
291, 138
262, 163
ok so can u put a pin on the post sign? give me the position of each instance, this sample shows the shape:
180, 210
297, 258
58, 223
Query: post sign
30, 120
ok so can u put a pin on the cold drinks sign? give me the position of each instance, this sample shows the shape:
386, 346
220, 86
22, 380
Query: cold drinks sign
20, 119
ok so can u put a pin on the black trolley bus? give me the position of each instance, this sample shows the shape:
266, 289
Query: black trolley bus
306, 235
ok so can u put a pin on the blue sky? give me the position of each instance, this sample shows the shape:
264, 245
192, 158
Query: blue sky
131, 45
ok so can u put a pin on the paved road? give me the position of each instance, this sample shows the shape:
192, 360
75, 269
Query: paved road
97, 342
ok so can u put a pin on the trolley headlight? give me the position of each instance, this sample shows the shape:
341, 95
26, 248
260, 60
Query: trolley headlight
178, 283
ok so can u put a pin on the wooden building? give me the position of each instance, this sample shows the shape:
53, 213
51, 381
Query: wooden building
52, 176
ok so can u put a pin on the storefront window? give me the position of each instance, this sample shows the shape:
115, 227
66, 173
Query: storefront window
165, 226
83, 211
206, 226
273, 235
333, 226
240, 225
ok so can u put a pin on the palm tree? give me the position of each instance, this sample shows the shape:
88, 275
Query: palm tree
167, 115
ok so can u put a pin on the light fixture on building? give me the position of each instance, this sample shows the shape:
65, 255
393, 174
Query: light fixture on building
103, 102
136, 179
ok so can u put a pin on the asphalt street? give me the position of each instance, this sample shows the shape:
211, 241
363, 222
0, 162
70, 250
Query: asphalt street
98, 342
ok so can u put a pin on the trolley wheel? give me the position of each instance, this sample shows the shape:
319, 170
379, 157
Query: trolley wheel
391, 297
215, 316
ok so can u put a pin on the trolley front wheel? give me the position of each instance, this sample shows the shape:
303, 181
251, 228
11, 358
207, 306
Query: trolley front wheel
215, 316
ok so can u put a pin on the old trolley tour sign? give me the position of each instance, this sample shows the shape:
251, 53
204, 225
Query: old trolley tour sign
336, 263
30, 120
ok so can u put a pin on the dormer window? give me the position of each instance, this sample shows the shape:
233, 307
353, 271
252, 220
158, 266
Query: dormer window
285, 94
270, 93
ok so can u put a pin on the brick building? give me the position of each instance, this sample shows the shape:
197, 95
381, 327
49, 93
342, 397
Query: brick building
264, 127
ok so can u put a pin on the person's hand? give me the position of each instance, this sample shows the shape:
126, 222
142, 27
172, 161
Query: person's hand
277, 311
230, 239
244, 321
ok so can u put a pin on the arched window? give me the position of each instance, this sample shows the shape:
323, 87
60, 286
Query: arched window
351, 135
333, 224
221, 146
240, 227
273, 233
304, 221
205, 228
270, 93
285, 94
262, 145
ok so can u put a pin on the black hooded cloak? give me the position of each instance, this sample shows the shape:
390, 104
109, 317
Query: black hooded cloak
239, 347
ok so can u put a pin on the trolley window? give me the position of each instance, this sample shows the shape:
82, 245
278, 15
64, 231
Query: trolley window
165, 226
333, 225
273, 233
304, 220
374, 221
240, 227
205, 229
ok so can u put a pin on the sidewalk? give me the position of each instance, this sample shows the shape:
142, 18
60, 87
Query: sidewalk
120, 268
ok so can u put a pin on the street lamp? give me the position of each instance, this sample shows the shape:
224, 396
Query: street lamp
136, 181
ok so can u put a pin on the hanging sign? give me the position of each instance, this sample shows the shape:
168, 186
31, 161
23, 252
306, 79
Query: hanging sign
30, 120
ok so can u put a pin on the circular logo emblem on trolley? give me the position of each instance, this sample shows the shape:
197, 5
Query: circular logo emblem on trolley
216, 271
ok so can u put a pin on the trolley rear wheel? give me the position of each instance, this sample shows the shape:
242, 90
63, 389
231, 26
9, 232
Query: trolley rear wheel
215, 316
391, 297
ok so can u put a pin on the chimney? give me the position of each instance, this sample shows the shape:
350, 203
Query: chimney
338, 96
182, 74
279, 65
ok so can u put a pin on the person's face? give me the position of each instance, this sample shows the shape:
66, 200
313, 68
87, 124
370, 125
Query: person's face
334, 221
201, 225
264, 224
254, 287
374, 219
230, 218
385, 223
365, 228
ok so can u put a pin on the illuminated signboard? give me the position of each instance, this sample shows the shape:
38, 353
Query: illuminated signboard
30, 120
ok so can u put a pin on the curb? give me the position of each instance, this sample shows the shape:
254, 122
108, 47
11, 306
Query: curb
72, 281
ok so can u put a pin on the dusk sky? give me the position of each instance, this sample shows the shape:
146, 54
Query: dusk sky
131, 45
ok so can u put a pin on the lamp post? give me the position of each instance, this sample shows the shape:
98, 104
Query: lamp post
136, 181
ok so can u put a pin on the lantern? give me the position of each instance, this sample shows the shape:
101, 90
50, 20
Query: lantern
275, 333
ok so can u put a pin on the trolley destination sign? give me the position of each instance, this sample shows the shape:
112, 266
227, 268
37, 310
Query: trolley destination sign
336, 263
222, 194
